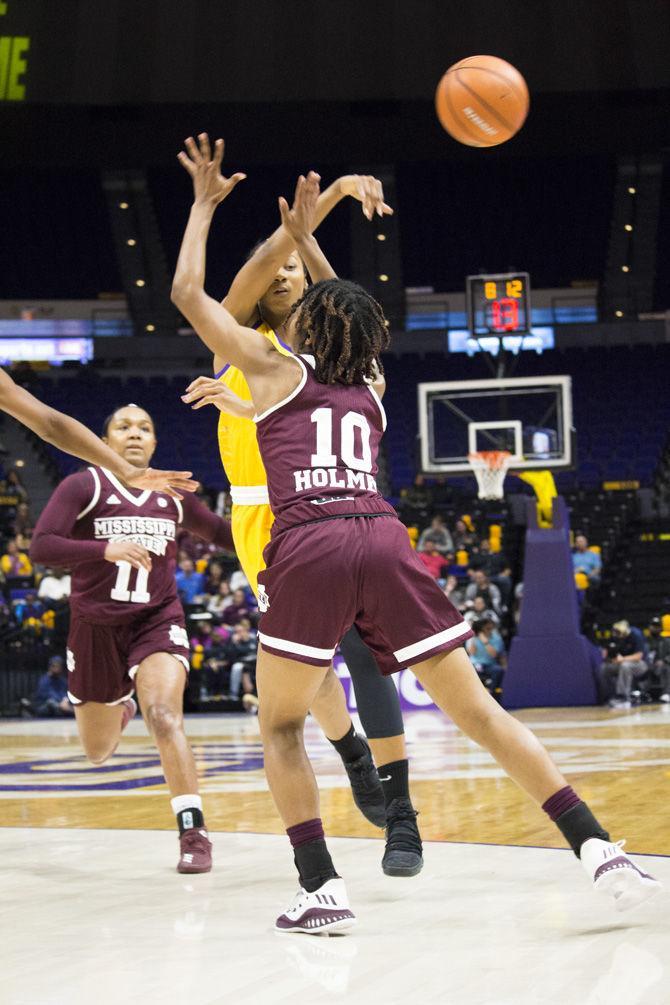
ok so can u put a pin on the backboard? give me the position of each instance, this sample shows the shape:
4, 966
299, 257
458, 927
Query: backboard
531, 417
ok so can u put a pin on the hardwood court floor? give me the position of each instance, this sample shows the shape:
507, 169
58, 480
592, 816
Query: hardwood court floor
93, 911
619, 762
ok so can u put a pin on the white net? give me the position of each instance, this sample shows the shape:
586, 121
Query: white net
490, 468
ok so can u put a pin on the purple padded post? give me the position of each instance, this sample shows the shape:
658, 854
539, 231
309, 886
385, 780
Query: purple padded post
550, 662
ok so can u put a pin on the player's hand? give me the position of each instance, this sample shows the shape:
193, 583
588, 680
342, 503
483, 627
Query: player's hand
299, 221
369, 191
210, 187
172, 483
209, 391
128, 551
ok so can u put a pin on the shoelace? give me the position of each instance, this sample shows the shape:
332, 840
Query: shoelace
401, 830
298, 901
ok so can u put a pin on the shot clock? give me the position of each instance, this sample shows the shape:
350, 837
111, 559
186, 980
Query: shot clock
498, 305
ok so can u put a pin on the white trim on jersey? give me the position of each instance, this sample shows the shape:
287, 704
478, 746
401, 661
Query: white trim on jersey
417, 648
250, 495
297, 648
120, 487
382, 412
180, 509
290, 397
96, 494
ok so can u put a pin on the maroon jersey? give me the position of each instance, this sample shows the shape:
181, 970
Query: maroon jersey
319, 448
92, 508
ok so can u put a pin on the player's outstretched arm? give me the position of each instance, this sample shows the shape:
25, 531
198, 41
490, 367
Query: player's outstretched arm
71, 436
299, 223
206, 525
217, 328
255, 276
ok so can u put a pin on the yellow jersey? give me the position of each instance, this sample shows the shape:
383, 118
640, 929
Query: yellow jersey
238, 447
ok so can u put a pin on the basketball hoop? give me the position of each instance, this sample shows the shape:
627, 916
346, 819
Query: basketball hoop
489, 468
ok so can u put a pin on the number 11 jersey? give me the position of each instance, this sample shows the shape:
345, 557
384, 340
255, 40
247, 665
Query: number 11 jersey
89, 510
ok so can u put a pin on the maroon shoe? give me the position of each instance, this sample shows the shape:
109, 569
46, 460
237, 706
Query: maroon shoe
195, 851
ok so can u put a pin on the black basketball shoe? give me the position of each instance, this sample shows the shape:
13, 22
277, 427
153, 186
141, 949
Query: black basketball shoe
403, 855
366, 787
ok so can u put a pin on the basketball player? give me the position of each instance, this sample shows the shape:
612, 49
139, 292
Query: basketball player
127, 623
339, 555
72, 437
262, 296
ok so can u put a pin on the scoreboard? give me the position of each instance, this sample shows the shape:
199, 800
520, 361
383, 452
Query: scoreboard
498, 304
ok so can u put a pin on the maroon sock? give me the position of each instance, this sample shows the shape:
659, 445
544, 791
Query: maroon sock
311, 856
560, 802
573, 818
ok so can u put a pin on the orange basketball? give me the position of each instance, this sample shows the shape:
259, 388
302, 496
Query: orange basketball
482, 101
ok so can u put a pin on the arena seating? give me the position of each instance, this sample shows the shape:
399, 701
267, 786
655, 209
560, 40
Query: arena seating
186, 438
621, 410
622, 413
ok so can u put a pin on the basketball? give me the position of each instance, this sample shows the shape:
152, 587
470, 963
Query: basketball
482, 101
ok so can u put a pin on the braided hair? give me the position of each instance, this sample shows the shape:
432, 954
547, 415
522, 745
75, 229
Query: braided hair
346, 330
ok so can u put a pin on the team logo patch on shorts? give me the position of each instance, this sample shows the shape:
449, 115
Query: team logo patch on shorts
178, 636
69, 656
263, 599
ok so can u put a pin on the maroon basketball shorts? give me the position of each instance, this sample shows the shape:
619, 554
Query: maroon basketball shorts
323, 577
102, 660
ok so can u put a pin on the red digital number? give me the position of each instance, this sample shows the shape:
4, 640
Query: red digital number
505, 315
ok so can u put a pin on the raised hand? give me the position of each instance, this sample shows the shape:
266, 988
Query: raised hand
128, 551
210, 187
209, 391
369, 191
299, 220
172, 483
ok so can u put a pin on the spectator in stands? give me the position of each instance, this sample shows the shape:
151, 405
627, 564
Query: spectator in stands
23, 523
481, 586
438, 534
28, 611
51, 695
239, 609
487, 652
222, 598
441, 492
658, 659
14, 486
213, 577
464, 539
242, 652
480, 612
624, 662
55, 585
496, 567
238, 581
586, 561
15, 563
454, 592
190, 584
416, 501
433, 560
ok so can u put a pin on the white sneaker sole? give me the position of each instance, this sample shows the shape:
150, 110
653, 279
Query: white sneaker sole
628, 887
331, 928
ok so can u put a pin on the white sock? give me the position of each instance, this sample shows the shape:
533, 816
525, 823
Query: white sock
188, 802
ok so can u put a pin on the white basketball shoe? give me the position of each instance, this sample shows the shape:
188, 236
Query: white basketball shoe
324, 911
615, 874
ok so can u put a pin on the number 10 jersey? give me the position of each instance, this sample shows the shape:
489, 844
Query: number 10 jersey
319, 447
